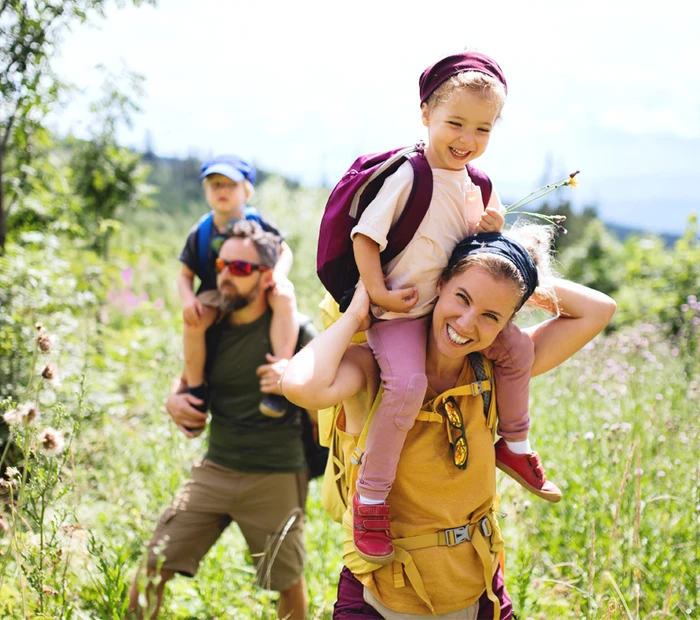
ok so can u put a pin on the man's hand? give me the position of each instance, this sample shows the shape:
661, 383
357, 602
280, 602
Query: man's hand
492, 220
271, 374
181, 410
192, 312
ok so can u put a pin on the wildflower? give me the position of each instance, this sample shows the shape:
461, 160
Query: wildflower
659, 397
49, 591
526, 504
49, 372
46, 341
639, 471
589, 436
661, 438
626, 427
51, 441
555, 219
661, 473
12, 473
4, 527
4, 487
38, 326
24, 414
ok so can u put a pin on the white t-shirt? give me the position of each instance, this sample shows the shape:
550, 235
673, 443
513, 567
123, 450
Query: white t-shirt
454, 209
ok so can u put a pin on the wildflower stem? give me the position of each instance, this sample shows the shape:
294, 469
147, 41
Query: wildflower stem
6, 449
537, 194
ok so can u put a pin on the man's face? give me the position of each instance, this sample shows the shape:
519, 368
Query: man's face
237, 292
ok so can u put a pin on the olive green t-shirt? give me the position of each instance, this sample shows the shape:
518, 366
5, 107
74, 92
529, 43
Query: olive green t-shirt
240, 437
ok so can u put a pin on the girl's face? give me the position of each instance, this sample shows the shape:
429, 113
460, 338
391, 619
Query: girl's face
458, 130
471, 311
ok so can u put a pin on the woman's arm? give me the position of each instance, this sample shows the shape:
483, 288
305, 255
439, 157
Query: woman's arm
583, 313
325, 372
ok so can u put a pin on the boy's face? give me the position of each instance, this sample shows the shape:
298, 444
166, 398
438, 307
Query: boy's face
224, 195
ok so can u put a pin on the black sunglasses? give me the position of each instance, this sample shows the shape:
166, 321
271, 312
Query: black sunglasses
460, 448
239, 267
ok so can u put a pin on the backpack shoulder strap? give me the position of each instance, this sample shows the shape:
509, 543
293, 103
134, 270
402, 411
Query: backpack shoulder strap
204, 228
416, 206
481, 179
251, 213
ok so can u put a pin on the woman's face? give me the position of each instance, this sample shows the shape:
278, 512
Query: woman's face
472, 309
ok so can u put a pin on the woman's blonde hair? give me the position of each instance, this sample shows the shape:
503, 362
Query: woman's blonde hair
537, 240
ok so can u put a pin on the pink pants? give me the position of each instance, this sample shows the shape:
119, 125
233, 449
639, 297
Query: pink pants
399, 346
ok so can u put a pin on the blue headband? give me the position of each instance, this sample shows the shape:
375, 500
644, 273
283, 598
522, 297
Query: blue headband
496, 243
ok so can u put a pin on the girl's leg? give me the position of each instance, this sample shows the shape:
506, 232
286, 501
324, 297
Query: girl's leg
399, 347
513, 354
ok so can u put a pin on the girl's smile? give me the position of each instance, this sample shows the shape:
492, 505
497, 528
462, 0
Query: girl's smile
458, 129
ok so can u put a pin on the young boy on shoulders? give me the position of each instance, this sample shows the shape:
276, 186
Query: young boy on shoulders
228, 183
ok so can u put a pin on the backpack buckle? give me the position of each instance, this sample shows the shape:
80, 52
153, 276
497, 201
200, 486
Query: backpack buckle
356, 458
457, 535
477, 388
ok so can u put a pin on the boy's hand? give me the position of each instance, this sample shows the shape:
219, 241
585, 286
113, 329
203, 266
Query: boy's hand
400, 300
492, 220
192, 312
281, 295
271, 374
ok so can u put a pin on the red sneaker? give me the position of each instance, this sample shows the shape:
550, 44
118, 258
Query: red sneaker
371, 531
526, 469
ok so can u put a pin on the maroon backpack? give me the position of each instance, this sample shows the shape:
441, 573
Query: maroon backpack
335, 261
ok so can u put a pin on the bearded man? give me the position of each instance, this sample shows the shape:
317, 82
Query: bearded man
254, 471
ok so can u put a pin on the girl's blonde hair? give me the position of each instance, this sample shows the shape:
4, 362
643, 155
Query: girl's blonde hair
474, 82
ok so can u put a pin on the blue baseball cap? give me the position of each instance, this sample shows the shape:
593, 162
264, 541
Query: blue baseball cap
230, 166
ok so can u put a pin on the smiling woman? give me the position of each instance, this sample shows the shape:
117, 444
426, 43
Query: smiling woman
443, 523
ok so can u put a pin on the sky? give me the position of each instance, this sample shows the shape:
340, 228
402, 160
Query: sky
302, 88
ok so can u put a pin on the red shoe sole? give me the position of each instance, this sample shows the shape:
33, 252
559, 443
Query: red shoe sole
550, 497
382, 560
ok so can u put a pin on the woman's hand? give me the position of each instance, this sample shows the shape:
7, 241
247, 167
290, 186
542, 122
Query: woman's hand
359, 307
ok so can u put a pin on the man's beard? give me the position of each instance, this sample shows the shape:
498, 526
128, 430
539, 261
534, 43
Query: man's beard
231, 300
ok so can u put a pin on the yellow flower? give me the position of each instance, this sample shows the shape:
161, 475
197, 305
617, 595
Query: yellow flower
572, 182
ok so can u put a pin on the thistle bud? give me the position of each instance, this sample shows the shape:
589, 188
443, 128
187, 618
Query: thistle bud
46, 341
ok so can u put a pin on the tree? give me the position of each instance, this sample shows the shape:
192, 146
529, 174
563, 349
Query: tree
30, 33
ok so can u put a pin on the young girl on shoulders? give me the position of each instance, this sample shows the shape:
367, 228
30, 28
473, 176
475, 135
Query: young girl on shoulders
461, 96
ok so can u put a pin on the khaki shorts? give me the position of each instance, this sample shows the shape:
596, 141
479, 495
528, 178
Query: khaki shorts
261, 505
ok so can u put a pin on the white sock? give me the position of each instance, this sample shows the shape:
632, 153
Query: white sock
372, 502
519, 447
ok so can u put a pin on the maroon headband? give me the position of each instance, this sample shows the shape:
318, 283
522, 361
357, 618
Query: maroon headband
443, 69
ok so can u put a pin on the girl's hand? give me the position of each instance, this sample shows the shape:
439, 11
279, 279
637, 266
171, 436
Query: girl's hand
359, 307
492, 220
400, 300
